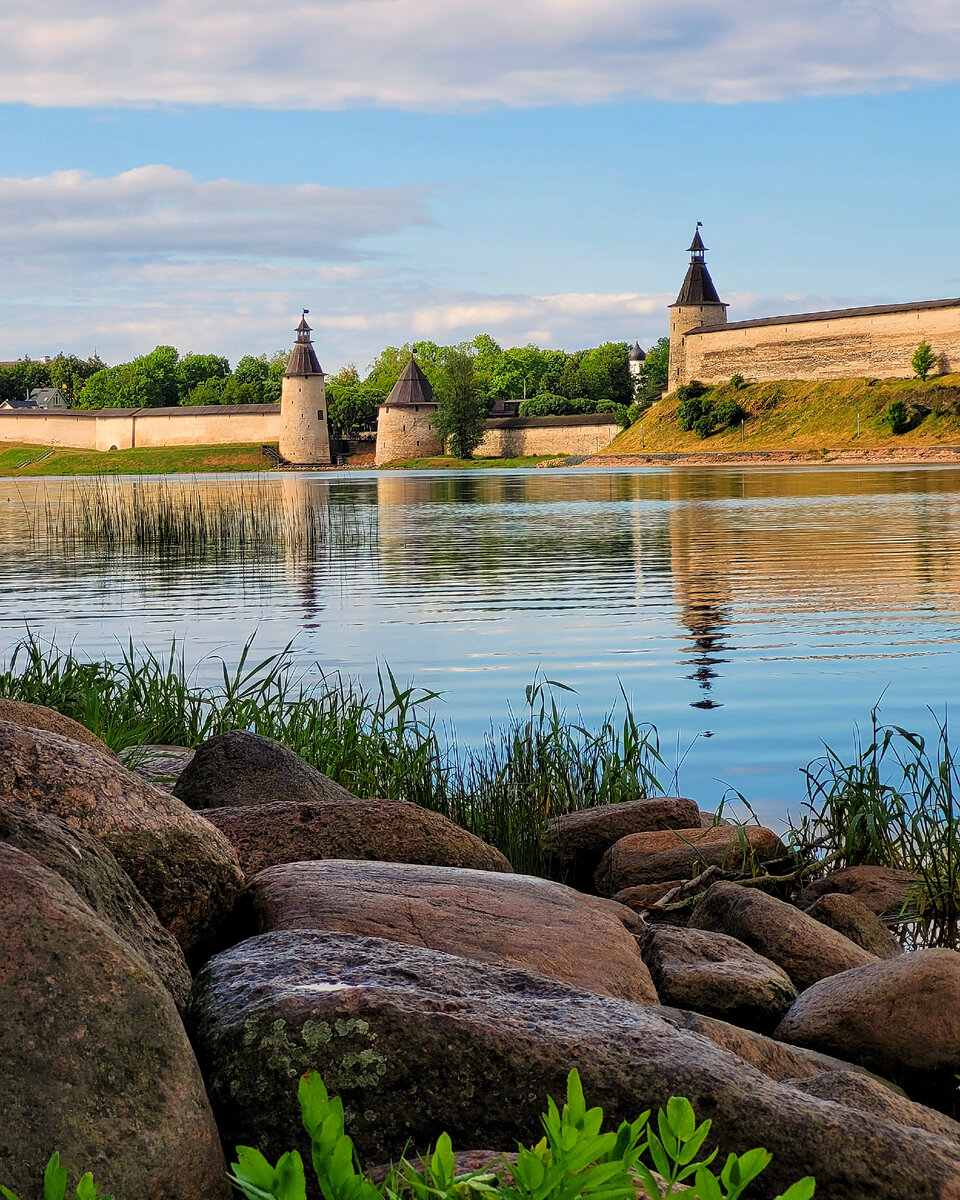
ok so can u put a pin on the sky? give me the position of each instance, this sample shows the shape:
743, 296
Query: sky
194, 172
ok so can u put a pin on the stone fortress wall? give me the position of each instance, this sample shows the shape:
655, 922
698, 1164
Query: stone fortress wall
515, 437
404, 431
874, 342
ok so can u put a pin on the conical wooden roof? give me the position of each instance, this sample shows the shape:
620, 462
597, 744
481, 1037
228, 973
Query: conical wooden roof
303, 358
413, 387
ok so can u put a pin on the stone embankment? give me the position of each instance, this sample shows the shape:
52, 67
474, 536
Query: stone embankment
432, 986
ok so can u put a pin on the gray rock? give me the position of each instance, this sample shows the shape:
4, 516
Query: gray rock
240, 768
94, 1062
265, 835
715, 974
37, 716
899, 1016
96, 876
804, 948
511, 920
416, 1041
575, 842
855, 921
184, 868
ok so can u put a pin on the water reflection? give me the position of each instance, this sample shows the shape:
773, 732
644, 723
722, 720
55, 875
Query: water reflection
766, 609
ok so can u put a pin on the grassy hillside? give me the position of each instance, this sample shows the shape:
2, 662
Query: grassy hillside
22, 460
793, 415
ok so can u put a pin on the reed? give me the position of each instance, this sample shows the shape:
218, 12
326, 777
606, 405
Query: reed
196, 519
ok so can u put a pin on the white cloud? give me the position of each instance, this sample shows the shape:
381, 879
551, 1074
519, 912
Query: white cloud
434, 54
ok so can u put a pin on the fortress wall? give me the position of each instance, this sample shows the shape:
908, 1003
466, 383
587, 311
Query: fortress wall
514, 439
121, 429
405, 431
878, 346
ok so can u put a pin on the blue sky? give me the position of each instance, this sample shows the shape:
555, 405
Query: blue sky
196, 172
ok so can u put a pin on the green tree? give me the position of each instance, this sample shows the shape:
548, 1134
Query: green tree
101, 390
605, 373
653, 372
194, 369
923, 360
461, 413
207, 391
252, 370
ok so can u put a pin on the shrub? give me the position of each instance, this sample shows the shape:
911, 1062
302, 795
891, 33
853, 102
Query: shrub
898, 418
700, 411
55, 1184
546, 404
691, 390
574, 1159
729, 412
737, 382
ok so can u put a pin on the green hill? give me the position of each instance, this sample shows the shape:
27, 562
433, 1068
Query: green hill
795, 415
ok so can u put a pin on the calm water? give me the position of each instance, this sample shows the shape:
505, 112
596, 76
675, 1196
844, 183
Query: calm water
749, 614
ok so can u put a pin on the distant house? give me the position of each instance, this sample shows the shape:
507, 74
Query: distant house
39, 398
504, 408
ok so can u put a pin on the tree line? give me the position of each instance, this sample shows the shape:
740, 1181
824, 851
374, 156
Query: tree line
476, 374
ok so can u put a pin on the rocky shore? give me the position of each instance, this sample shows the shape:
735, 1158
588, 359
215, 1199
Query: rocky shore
868, 456
184, 938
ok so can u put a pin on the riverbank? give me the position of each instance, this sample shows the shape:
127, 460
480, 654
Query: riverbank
24, 460
854, 456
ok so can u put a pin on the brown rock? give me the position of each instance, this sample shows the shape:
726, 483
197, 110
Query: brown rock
183, 867
37, 716
680, 854
899, 1016
855, 921
883, 890
266, 835
240, 768
574, 843
415, 1041
641, 897
514, 920
716, 975
94, 1061
93, 872
160, 765
804, 948
872, 1095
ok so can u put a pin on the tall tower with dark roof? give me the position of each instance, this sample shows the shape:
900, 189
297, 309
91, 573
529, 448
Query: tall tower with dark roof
697, 304
304, 437
405, 419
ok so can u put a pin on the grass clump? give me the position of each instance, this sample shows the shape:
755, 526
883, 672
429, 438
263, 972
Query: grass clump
379, 741
575, 1160
895, 804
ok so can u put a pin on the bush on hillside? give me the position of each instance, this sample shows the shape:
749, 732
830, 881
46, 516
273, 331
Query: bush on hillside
701, 411
898, 417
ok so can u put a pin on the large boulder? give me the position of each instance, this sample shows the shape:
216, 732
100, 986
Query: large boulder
884, 890
716, 975
513, 920
94, 1061
416, 1042
37, 716
160, 765
575, 842
856, 1089
681, 853
855, 921
184, 868
265, 835
899, 1016
93, 872
645, 896
804, 948
240, 768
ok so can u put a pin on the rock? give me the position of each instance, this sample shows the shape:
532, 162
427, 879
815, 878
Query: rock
415, 1041
855, 921
872, 1095
160, 765
512, 920
240, 768
883, 890
643, 895
184, 868
94, 1061
37, 716
804, 948
93, 872
679, 854
899, 1016
574, 843
716, 975
265, 835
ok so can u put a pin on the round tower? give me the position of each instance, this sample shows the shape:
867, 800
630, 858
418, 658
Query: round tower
304, 437
404, 428
698, 304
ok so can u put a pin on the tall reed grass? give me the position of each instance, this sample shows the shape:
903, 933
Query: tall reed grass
379, 741
110, 515
895, 804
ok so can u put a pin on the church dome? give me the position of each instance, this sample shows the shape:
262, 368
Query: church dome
636, 354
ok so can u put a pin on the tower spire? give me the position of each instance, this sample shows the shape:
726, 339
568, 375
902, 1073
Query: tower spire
697, 248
